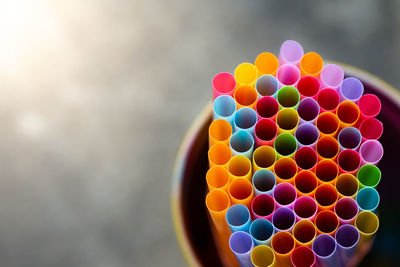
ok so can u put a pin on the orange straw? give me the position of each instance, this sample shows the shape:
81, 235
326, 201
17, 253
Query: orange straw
219, 154
327, 222
347, 185
285, 170
327, 124
311, 64
239, 167
326, 196
267, 63
304, 233
245, 96
217, 177
219, 132
348, 113
327, 171
241, 192
283, 244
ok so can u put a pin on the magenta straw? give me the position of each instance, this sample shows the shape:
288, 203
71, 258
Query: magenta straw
349, 138
331, 76
370, 106
285, 194
371, 152
371, 128
267, 85
347, 238
223, 84
262, 206
305, 207
308, 86
351, 89
241, 245
283, 219
288, 74
308, 110
265, 132
346, 209
324, 247
290, 52
267, 107
306, 135
303, 257
328, 99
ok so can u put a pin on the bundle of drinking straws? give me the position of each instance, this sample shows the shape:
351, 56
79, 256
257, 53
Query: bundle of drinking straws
293, 154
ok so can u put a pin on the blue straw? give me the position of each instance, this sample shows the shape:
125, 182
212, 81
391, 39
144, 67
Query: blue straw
238, 218
261, 230
224, 107
242, 143
368, 199
245, 119
264, 182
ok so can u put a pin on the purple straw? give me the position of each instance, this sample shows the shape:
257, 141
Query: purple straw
306, 135
347, 237
308, 110
351, 89
283, 219
324, 247
331, 76
241, 245
349, 138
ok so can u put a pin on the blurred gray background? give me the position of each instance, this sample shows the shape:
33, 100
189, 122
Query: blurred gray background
96, 97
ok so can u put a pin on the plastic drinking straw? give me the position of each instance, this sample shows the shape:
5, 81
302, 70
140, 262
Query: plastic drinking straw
217, 177
261, 230
242, 143
217, 202
290, 52
348, 161
241, 192
367, 224
264, 182
326, 171
285, 170
308, 110
326, 196
328, 99
238, 218
223, 84
371, 152
262, 256
326, 222
348, 113
246, 74
306, 135
308, 86
347, 185
306, 158
305, 183
285, 145
267, 85
224, 107
368, 199
239, 167
219, 132
241, 245
324, 247
288, 97
285, 194
283, 219
262, 207
327, 147
369, 176
287, 120
371, 129
245, 96
267, 107
304, 233
303, 257
349, 138
311, 64
265, 132
347, 237
305, 207
264, 157
266, 63
283, 245
351, 89
219, 154
288, 74
331, 76
346, 209
245, 119
327, 123
370, 106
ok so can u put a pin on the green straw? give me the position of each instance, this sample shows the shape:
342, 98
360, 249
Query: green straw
285, 145
288, 97
369, 176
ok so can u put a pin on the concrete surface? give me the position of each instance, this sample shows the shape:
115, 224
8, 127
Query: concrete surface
96, 96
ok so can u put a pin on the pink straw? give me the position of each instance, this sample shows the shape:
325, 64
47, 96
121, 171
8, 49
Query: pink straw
369, 105
290, 52
371, 128
223, 84
331, 76
371, 152
288, 74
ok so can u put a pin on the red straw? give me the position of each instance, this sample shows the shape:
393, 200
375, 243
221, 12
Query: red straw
369, 105
306, 158
371, 128
267, 107
328, 99
326, 196
262, 206
327, 148
327, 123
303, 257
349, 161
308, 86
326, 170
327, 222
265, 132
305, 183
